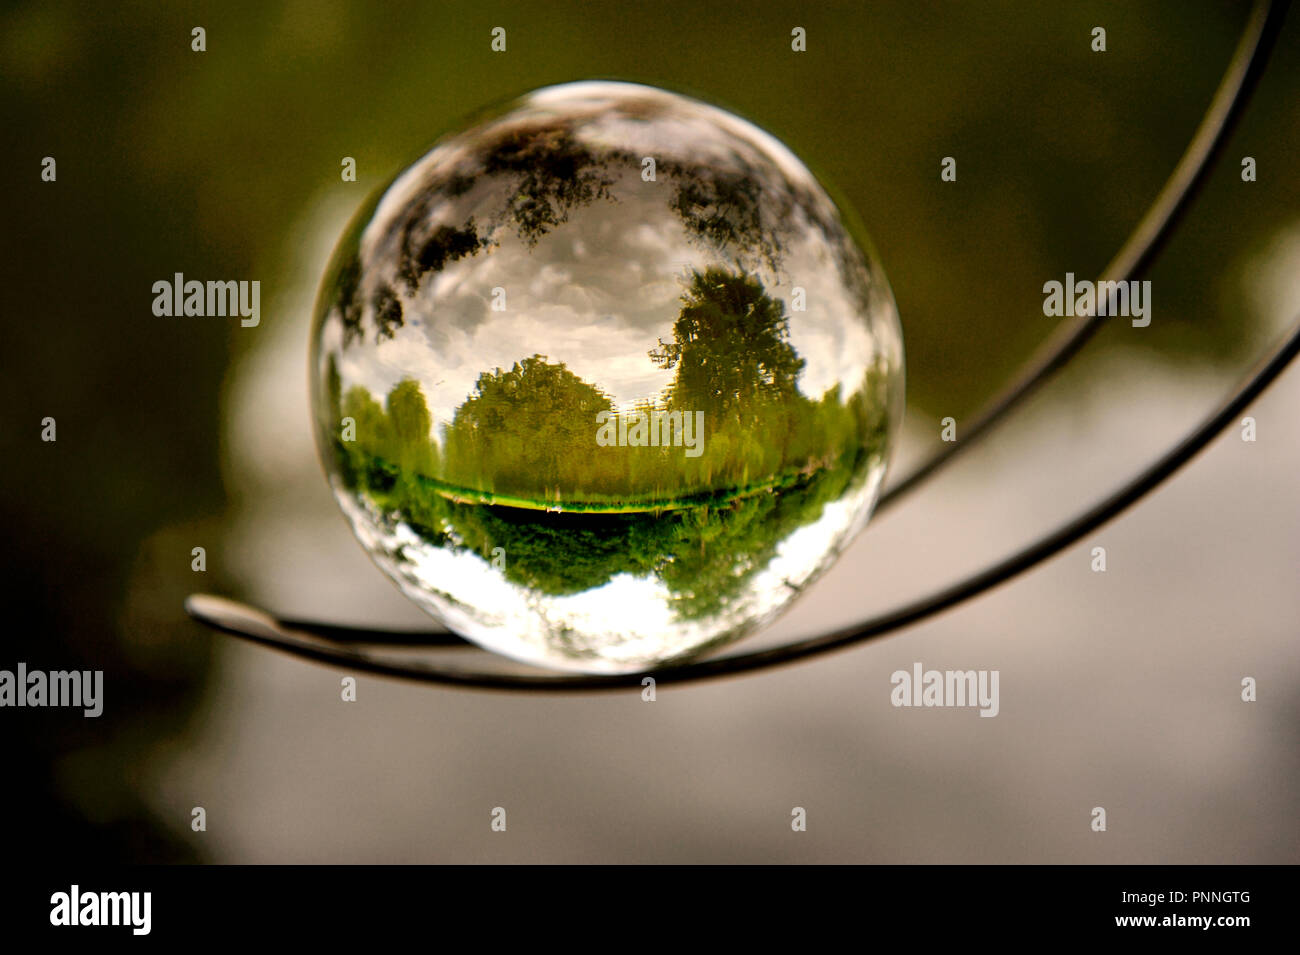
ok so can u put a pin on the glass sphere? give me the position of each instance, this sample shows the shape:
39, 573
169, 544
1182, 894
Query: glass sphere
606, 379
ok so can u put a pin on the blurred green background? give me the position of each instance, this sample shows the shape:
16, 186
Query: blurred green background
206, 163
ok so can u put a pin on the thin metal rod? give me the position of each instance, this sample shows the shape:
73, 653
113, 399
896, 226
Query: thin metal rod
341, 633
1137, 254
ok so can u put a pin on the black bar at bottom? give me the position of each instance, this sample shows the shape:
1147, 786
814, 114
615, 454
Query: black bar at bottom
439, 906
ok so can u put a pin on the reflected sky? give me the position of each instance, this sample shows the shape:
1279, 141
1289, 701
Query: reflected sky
598, 289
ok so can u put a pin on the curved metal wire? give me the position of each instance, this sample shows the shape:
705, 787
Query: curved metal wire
1140, 249
1143, 245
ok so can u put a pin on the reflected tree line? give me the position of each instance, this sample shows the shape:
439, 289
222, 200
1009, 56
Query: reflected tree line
530, 432
519, 466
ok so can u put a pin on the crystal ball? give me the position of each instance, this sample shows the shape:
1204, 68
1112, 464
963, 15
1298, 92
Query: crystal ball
606, 379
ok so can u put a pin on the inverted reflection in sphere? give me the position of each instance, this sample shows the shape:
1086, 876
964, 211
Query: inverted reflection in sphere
604, 380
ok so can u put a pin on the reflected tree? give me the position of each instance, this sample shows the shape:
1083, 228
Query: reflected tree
731, 351
531, 427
